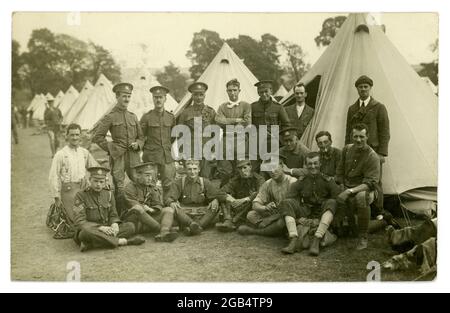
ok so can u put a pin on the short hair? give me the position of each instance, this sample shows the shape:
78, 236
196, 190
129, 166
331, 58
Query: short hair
73, 126
192, 162
299, 85
360, 127
323, 133
312, 155
234, 82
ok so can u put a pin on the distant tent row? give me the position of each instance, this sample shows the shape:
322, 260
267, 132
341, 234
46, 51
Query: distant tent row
362, 48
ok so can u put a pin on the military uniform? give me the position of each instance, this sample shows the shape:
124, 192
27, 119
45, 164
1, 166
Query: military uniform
53, 118
198, 198
94, 209
295, 159
157, 128
125, 130
329, 162
239, 188
208, 116
268, 114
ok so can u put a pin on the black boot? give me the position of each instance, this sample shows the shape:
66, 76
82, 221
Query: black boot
291, 247
314, 248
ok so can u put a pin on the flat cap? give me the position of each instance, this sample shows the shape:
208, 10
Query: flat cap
49, 97
288, 132
123, 87
197, 87
146, 167
98, 171
364, 80
264, 84
159, 90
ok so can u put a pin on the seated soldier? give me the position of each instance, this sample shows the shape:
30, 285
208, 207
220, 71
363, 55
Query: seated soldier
329, 155
311, 198
194, 197
265, 216
294, 151
143, 201
241, 190
96, 218
359, 172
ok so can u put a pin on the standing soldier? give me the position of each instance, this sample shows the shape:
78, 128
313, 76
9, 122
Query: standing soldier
15, 122
266, 111
241, 190
206, 113
294, 151
300, 114
144, 205
68, 173
97, 221
126, 133
369, 111
233, 112
52, 120
194, 196
157, 128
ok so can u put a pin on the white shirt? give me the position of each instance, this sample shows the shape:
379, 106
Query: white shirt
69, 166
300, 110
231, 105
365, 102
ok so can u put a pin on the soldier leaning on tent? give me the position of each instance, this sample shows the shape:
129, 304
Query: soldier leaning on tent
198, 108
157, 128
369, 111
266, 111
194, 198
96, 218
241, 190
265, 217
359, 172
127, 137
233, 112
52, 119
144, 205
300, 114
294, 151
68, 173
312, 200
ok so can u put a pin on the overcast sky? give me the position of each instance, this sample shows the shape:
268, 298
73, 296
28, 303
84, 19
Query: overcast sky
168, 35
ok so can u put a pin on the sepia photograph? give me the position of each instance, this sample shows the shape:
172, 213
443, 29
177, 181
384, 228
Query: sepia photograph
224, 147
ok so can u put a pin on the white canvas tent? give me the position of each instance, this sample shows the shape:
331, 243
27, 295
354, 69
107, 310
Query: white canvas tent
281, 92
225, 66
362, 48
34, 103
58, 98
430, 84
100, 101
141, 99
68, 100
79, 104
39, 109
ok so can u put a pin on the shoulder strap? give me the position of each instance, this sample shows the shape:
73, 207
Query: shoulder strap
202, 185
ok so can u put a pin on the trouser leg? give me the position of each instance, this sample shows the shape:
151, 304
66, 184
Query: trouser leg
167, 219
208, 218
361, 202
94, 238
118, 172
182, 218
167, 174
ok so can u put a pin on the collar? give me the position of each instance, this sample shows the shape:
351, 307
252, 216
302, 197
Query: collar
198, 106
366, 102
302, 105
231, 105
119, 108
194, 181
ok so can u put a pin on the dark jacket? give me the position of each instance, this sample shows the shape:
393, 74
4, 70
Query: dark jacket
375, 116
269, 114
300, 122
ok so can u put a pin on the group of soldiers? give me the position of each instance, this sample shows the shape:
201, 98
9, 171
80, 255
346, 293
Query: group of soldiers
304, 196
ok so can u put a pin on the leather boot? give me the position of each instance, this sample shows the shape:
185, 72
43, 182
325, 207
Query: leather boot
226, 226
273, 230
291, 247
208, 218
314, 248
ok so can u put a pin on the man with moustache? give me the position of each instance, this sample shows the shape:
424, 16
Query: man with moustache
300, 114
234, 112
126, 134
68, 174
157, 128
198, 108
329, 155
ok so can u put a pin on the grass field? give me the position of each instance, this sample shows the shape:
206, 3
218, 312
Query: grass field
211, 257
